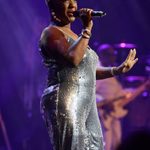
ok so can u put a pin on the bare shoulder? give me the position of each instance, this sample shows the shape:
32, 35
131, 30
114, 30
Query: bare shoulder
51, 33
50, 36
53, 41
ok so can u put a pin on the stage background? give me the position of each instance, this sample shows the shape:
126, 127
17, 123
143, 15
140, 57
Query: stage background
23, 76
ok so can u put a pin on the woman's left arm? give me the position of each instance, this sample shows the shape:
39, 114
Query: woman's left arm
107, 72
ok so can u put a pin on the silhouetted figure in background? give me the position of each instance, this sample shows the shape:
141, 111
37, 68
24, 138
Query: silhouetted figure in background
111, 98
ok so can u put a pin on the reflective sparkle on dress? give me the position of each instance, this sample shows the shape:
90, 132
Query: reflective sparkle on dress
69, 106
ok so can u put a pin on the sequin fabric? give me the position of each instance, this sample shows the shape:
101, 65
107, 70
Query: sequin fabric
68, 104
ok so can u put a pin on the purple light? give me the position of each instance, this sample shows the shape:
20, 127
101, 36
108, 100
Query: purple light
125, 45
122, 45
145, 94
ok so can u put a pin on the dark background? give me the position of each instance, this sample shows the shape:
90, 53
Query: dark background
23, 76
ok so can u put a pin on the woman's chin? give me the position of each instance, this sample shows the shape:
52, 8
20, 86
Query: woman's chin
72, 19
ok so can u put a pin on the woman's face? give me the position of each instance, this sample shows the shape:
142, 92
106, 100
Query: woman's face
64, 10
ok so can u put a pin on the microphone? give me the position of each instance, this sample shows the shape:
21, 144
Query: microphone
93, 14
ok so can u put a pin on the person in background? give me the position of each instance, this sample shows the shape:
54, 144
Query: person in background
68, 102
111, 98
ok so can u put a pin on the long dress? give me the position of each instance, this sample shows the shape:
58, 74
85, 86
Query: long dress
68, 104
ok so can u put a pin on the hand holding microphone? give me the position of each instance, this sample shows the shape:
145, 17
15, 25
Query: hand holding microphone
86, 14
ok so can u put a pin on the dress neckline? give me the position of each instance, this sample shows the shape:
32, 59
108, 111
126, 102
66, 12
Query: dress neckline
63, 32
67, 34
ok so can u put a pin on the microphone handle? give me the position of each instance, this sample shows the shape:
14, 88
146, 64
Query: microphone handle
94, 13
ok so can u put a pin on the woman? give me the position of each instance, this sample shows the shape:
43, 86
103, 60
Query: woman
68, 103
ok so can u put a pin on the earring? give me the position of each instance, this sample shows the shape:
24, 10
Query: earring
55, 17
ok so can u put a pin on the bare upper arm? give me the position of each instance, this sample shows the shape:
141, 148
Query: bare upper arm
54, 41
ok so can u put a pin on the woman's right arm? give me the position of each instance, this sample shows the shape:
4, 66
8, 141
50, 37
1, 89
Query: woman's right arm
54, 39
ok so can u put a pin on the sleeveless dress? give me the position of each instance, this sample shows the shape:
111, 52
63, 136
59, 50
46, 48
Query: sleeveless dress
68, 104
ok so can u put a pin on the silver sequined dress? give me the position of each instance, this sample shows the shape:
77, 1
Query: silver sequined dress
69, 106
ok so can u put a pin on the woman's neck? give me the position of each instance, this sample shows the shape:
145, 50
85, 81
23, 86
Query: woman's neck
67, 26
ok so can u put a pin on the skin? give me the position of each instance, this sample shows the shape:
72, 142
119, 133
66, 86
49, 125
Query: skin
56, 42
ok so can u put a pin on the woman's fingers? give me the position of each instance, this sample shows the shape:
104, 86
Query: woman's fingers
135, 61
85, 11
133, 54
129, 55
130, 60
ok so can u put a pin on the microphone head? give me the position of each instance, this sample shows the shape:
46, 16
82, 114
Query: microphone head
98, 14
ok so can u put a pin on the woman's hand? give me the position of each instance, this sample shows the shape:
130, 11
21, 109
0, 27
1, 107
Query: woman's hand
85, 15
128, 63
